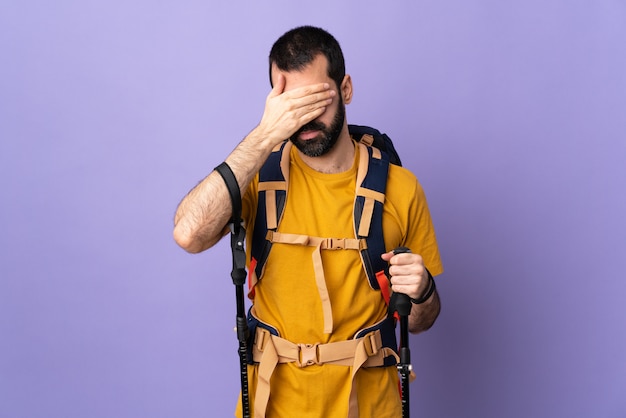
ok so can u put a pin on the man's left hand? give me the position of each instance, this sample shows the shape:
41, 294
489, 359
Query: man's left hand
408, 274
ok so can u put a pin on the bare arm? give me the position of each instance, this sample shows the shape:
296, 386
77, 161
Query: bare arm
423, 316
201, 217
409, 276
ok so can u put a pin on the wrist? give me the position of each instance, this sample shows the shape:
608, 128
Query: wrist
263, 138
430, 289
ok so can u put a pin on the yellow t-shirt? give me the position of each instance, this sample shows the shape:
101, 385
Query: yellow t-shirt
321, 205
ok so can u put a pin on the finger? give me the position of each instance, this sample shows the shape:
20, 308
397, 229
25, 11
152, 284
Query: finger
387, 256
314, 101
311, 111
397, 259
279, 86
401, 273
406, 258
307, 91
405, 289
305, 117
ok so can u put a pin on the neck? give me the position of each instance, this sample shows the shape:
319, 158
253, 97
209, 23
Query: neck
339, 159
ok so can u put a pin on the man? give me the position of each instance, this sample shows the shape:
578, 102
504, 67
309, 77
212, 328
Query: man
307, 106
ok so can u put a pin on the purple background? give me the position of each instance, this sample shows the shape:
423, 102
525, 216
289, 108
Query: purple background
512, 114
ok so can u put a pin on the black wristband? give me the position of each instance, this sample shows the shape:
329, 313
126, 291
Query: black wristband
428, 293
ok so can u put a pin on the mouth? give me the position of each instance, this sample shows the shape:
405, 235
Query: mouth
308, 135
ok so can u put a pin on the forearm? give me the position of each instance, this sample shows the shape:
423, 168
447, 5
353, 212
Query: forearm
202, 215
423, 316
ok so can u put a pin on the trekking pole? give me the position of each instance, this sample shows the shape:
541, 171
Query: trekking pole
238, 275
401, 303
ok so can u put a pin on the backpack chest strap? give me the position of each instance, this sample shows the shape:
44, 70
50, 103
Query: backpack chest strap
323, 243
319, 244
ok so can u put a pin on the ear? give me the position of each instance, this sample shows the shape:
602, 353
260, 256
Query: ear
346, 89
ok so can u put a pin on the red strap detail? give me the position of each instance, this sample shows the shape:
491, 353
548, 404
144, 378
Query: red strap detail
251, 269
383, 283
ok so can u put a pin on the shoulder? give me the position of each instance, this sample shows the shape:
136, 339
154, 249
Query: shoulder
402, 182
405, 198
401, 172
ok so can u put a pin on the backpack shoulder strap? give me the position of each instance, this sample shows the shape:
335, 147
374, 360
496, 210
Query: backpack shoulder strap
370, 198
368, 209
272, 196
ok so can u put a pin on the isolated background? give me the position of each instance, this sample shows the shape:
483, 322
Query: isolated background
512, 114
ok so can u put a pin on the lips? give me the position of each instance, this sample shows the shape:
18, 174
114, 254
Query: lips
307, 135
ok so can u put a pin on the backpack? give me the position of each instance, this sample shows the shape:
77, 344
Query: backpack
376, 153
368, 209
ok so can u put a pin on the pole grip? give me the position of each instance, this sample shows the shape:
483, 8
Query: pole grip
402, 301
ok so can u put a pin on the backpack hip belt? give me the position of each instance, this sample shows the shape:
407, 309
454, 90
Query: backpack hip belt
366, 350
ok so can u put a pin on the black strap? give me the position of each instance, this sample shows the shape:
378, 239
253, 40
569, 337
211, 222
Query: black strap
238, 233
227, 174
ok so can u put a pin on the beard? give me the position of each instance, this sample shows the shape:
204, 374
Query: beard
327, 138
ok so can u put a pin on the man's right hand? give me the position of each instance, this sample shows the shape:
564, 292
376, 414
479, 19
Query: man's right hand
287, 111
201, 216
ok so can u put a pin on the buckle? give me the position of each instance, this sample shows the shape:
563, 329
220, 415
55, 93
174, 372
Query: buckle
307, 355
371, 344
261, 337
335, 243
